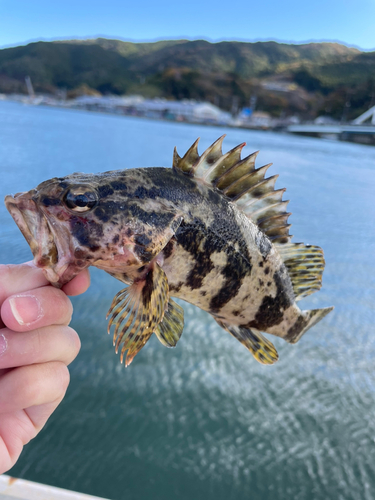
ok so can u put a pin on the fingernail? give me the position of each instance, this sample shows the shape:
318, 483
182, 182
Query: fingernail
3, 344
26, 309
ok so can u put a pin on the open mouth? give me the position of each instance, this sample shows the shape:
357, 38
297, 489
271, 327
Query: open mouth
28, 207
49, 242
34, 228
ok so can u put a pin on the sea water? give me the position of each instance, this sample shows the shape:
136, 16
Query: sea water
205, 420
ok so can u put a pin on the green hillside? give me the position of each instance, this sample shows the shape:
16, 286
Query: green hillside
307, 79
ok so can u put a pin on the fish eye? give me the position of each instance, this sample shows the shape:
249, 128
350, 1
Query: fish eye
80, 198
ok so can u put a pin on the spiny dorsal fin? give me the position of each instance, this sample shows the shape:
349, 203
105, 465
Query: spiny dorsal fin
242, 183
305, 264
186, 163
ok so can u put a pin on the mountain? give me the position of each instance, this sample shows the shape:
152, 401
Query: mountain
307, 79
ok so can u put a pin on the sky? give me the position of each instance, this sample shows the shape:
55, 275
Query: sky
351, 22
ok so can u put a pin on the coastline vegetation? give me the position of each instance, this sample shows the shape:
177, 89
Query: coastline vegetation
308, 80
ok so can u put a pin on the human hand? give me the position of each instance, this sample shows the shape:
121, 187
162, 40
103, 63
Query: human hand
36, 346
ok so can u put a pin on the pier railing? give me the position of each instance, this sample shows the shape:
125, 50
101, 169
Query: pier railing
12, 488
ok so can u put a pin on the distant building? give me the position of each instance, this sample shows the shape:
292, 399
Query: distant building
255, 119
185, 110
206, 112
324, 120
260, 119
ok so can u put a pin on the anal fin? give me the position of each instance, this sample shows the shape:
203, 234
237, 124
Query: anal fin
137, 310
261, 348
170, 329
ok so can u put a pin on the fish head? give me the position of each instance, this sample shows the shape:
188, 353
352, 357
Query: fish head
81, 220
44, 216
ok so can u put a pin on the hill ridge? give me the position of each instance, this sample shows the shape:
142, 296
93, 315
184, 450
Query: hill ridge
324, 77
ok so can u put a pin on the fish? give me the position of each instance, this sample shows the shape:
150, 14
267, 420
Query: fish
212, 230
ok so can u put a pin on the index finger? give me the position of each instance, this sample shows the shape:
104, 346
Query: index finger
17, 278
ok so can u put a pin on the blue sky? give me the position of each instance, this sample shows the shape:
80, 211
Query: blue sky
351, 22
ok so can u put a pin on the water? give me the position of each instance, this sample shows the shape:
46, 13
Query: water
204, 420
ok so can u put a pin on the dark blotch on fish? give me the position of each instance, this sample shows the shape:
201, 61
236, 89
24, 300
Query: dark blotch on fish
143, 193
257, 193
168, 249
190, 237
235, 271
101, 214
106, 210
183, 190
148, 288
263, 244
79, 253
296, 329
271, 310
48, 202
156, 219
105, 191
143, 254
142, 239
176, 288
86, 233
119, 186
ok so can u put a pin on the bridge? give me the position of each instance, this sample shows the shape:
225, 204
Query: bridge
362, 129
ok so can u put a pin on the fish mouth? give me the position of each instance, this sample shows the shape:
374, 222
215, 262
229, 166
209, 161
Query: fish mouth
38, 233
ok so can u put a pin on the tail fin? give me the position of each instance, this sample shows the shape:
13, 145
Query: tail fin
306, 320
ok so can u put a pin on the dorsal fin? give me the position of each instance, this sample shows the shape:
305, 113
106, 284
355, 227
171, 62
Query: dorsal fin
242, 183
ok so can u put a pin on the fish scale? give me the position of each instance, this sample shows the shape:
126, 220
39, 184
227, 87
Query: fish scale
211, 230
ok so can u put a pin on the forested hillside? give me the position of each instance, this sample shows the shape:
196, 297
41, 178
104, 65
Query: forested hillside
308, 79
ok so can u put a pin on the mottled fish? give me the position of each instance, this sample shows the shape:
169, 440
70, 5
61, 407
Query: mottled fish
212, 230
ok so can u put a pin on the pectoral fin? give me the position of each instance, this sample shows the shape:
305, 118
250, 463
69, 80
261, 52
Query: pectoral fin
137, 310
261, 348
